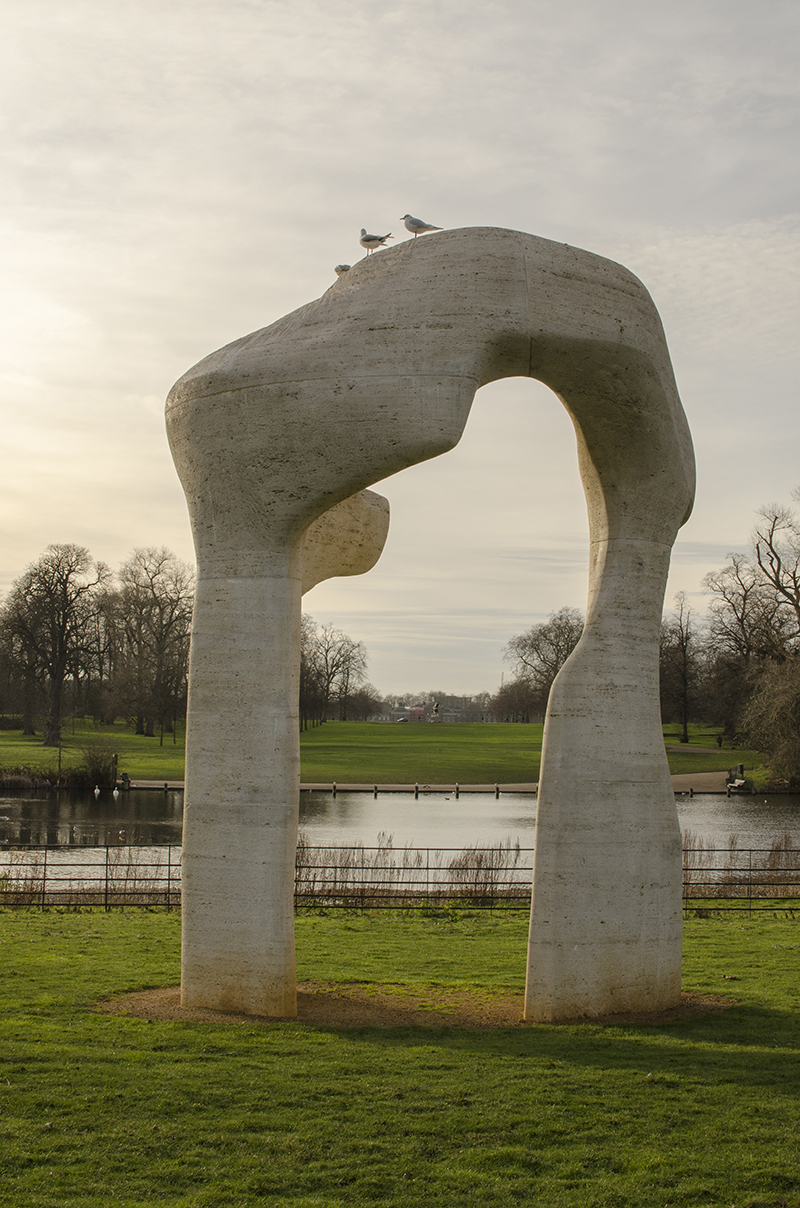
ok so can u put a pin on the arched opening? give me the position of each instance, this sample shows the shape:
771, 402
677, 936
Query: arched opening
484, 541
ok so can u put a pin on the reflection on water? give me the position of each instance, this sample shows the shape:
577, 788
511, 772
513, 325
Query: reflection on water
756, 820
76, 819
440, 820
435, 820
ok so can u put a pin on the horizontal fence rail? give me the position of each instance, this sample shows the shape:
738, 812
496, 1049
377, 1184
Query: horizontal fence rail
744, 880
377, 878
91, 876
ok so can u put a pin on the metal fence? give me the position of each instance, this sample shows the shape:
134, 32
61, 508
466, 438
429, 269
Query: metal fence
91, 876
715, 880
743, 880
383, 877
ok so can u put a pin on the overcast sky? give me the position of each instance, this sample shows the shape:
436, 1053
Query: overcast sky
178, 174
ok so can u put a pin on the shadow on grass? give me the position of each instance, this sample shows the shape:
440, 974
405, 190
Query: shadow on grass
746, 1046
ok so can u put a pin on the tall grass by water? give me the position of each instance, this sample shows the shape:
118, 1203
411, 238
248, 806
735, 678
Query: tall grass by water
383, 877
740, 877
380, 877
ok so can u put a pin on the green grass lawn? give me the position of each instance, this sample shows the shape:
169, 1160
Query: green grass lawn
142, 758
369, 753
701, 753
103, 1110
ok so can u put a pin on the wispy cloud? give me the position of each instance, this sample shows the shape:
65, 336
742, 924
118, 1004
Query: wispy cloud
177, 175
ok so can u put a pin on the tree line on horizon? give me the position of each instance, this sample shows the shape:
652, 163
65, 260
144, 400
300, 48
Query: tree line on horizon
736, 668
78, 640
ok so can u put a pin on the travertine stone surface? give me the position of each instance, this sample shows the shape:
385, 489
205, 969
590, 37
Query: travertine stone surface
347, 540
274, 430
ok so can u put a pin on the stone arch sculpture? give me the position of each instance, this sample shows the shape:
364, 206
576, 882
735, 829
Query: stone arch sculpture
272, 432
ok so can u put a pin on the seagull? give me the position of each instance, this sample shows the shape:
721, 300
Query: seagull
416, 226
341, 269
370, 242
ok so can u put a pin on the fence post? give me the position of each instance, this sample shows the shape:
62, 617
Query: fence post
106, 888
169, 878
44, 881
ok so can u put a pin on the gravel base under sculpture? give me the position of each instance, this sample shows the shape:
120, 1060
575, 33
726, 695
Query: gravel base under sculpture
347, 1005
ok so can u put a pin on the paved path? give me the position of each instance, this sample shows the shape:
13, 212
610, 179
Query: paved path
700, 782
681, 749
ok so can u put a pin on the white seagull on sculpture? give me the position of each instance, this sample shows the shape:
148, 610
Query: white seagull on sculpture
416, 226
341, 269
370, 242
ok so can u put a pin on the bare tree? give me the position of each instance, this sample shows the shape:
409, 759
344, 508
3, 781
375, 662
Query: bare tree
155, 606
21, 673
754, 618
746, 619
517, 700
332, 666
312, 696
363, 703
748, 627
772, 718
680, 666
777, 548
539, 654
46, 618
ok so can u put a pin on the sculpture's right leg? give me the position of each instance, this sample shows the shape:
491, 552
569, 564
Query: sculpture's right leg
605, 932
242, 783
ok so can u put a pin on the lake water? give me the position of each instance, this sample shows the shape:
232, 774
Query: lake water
78, 820
435, 820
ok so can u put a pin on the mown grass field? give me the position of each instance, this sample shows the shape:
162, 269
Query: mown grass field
702, 755
142, 758
103, 1110
369, 753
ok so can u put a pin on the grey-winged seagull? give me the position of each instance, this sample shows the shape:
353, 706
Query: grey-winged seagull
370, 242
416, 226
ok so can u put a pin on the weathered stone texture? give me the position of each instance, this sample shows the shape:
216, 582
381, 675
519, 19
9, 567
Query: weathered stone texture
276, 429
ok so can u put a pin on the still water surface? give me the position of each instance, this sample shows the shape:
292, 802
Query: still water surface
436, 820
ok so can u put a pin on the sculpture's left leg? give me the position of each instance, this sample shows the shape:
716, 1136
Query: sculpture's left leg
242, 780
243, 760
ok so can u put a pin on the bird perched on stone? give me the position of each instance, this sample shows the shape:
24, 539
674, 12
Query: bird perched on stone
416, 226
341, 269
370, 242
